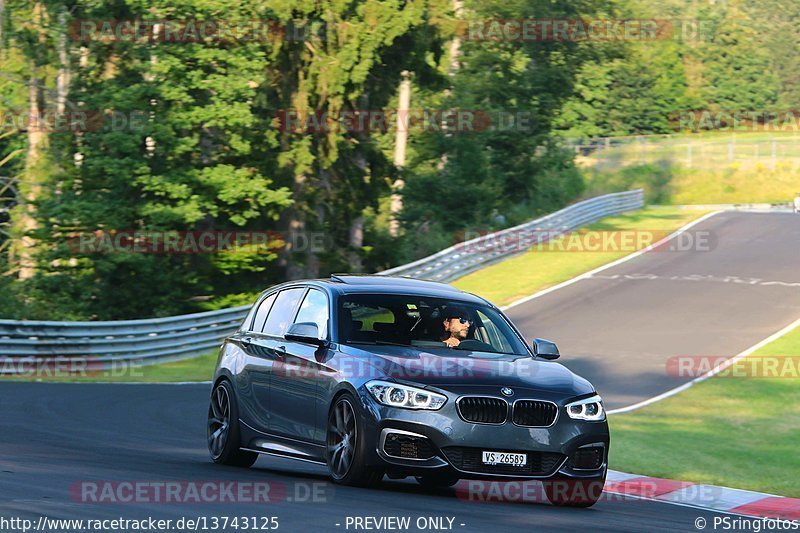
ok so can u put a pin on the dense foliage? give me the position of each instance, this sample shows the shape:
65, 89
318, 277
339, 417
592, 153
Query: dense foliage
190, 135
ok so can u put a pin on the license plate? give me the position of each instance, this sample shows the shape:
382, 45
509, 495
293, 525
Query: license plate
503, 458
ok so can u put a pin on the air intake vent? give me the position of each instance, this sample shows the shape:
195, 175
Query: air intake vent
483, 410
534, 413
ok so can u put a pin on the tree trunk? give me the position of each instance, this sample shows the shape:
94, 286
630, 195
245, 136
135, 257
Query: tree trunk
455, 54
2, 35
36, 142
63, 79
455, 44
401, 140
293, 225
356, 241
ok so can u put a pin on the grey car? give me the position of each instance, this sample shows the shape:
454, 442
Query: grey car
379, 376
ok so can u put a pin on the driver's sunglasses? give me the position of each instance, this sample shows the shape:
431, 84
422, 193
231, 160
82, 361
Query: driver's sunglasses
463, 320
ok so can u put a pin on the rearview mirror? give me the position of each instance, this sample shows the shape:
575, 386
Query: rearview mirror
545, 349
307, 332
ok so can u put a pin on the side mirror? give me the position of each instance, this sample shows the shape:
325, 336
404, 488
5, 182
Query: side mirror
545, 349
307, 332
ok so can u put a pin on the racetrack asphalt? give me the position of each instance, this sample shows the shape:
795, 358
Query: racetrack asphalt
58, 438
620, 327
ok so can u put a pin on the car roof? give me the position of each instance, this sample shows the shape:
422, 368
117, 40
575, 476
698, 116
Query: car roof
373, 283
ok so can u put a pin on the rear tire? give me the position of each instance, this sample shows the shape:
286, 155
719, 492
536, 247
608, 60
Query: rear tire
437, 481
574, 492
346, 445
224, 439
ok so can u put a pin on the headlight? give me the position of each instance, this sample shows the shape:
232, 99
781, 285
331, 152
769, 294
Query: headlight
396, 395
588, 409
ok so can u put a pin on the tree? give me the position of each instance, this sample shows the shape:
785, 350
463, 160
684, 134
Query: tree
173, 154
353, 63
510, 165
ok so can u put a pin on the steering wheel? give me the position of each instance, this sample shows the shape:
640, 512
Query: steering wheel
475, 345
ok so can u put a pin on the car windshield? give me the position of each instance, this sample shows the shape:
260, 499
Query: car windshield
425, 322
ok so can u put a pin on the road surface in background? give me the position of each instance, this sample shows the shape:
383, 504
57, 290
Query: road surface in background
619, 327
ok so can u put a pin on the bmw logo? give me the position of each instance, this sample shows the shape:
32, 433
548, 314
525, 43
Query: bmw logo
507, 391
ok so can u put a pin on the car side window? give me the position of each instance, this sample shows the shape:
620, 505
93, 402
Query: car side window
280, 316
491, 335
315, 309
261, 314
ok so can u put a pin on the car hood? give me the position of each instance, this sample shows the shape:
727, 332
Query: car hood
452, 369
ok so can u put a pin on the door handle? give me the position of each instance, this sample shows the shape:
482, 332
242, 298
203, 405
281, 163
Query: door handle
247, 339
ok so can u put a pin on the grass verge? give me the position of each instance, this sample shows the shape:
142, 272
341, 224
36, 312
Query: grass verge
729, 430
699, 168
541, 267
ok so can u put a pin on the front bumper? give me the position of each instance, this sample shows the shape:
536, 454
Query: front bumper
551, 450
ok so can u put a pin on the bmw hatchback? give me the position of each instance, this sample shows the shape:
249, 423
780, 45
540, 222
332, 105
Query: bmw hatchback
378, 375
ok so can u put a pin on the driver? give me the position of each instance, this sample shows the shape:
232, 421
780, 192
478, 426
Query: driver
456, 325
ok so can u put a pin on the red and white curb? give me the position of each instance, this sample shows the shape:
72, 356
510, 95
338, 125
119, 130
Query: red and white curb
713, 497
621, 487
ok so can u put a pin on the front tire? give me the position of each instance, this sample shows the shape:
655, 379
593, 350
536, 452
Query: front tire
346, 446
224, 440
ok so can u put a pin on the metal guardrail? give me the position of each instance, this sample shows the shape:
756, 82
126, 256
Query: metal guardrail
26, 344
468, 256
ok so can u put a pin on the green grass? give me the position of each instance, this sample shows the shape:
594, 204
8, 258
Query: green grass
540, 268
194, 369
739, 432
700, 168
736, 185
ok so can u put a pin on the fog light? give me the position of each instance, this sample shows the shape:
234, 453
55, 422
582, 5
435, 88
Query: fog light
587, 458
407, 446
